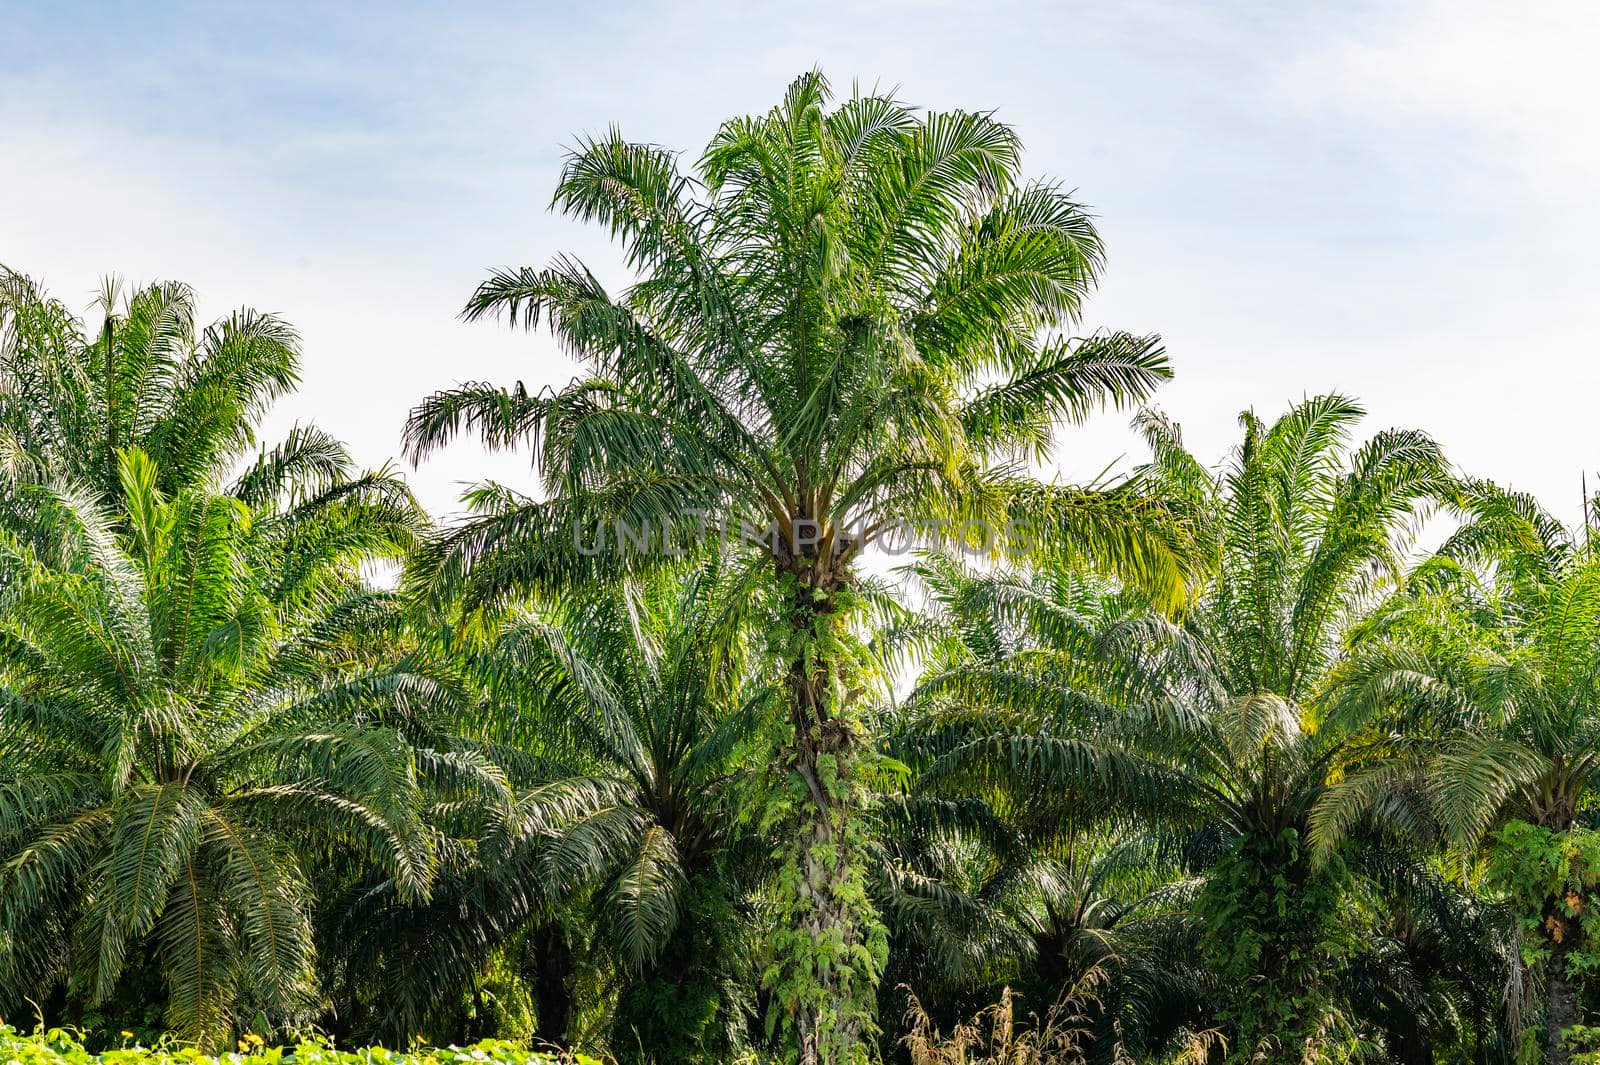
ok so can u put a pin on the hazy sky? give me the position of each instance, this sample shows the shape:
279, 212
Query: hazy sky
1397, 201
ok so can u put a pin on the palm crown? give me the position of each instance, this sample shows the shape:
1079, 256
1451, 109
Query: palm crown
841, 322
1478, 683
643, 708
626, 718
999, 866
1493, 645
147, 378
1301, 529
637, 706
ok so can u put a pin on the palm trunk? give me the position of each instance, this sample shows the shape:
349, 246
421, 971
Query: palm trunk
113, 483
821, 1031
830, 967
1561, 1011
1561, 1006
552, 965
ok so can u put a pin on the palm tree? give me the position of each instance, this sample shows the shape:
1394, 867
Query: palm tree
1210, 725
650, 707
843, 322
1491, 652
144, 377
631, 718
1438, 966
979, 898
1043, 889
193, 699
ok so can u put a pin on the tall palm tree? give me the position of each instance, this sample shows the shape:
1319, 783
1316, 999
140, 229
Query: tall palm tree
631, 718
143, 376
1210, 725
1491, 653
843, 321
191, 697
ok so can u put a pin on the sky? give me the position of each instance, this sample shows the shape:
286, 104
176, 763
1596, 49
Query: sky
1396, 201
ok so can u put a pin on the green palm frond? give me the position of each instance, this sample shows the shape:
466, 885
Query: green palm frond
645, 898
1064, 383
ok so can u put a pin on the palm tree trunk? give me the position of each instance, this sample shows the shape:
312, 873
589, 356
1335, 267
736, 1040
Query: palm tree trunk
830, 982
552, 965
112, 481
1561, 1011
1411, 1045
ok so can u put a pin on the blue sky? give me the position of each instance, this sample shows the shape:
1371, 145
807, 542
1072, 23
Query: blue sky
1392, 200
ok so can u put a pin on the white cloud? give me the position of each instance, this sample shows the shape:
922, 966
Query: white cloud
1393, 202
1518, 80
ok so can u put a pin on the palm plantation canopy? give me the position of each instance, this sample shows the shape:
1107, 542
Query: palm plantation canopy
655, 757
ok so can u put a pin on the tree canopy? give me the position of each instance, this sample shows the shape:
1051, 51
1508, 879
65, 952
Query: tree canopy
662, 757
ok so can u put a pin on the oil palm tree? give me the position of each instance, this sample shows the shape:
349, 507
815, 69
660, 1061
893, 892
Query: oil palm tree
843, 321
631, 718
980, 898
1490, 654
1211, 724
193, 699
988, 880
650, 706
1438, 964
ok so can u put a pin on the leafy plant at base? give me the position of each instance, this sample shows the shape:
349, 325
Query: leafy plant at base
1272, 918
1553, 880
57, 1046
